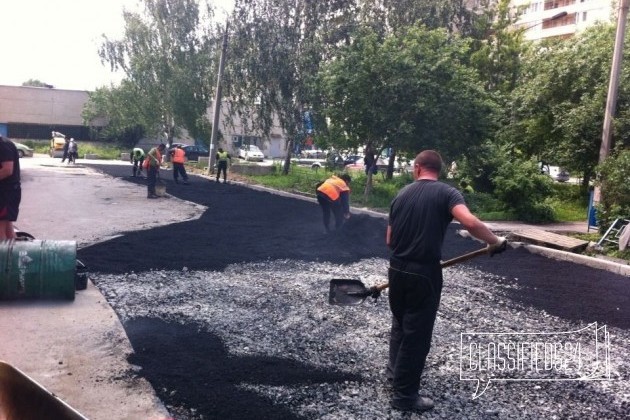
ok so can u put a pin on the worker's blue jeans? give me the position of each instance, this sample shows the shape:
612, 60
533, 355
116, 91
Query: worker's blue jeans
414, 298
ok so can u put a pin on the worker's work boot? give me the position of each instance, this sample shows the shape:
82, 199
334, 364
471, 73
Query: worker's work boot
420, 404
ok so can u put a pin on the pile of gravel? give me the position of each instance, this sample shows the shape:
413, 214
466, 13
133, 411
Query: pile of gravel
277, 313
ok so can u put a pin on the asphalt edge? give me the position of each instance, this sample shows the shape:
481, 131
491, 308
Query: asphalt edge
617, 268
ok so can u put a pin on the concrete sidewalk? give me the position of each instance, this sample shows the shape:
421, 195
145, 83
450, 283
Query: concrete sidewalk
78, 349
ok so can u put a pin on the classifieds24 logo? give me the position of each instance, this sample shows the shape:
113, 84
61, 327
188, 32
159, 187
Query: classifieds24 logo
581, 355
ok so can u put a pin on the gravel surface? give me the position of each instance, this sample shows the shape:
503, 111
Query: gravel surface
229, 318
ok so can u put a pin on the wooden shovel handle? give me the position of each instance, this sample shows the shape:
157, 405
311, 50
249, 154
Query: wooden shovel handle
446, 263
465, 257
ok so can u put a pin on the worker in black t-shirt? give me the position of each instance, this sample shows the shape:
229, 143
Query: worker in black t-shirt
10, 189
418, 218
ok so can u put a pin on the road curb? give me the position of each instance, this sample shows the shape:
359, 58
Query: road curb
617, 268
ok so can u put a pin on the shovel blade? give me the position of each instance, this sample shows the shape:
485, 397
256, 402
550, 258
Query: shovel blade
347, 292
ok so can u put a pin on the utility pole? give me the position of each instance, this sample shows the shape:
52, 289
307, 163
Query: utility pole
217, 102
613, 86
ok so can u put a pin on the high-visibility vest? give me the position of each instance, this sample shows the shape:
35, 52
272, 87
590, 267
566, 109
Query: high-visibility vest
179, 156
138, 153
153, 159
333, 186
223, 156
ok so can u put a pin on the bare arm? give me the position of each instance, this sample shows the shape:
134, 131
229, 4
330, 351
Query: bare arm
6, 169
473, 225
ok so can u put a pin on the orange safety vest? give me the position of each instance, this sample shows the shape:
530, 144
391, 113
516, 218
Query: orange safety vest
179, 156
333, 187
154, 158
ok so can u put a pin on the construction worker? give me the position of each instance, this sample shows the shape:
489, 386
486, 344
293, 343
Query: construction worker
334, 195
10, 188
178, 157
222, 164
152, 164
137, 157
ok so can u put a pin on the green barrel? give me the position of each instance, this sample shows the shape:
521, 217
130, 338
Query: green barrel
37, 269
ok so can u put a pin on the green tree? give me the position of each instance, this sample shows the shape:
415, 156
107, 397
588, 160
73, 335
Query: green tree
274, 55
497, 47
409, 92
614, 176
394, 16
36, 83
166, 55
123, 110
558, 107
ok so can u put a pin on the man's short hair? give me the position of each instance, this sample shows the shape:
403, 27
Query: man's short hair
429, 159
346, 178
162, 146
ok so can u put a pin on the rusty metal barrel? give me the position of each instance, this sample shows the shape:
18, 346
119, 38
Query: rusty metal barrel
37, 269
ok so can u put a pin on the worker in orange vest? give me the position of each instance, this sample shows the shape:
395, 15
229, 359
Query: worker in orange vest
178, 157
333, 195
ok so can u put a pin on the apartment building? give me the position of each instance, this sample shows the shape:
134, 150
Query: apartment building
538, 16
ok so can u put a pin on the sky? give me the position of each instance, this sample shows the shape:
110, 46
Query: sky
57, 41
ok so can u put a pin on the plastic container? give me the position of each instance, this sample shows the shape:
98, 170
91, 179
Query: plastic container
37, 269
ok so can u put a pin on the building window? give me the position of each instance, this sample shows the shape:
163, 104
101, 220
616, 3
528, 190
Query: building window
238, 140
583, 16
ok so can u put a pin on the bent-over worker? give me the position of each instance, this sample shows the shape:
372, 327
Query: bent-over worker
152, 164
418, 218
178, 157
333, 195
137, 157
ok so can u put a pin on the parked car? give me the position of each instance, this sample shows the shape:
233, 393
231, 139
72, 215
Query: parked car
359, 165
195, 151
556, 173
313, 154
192, 151
350, 159
251, 152
23, 150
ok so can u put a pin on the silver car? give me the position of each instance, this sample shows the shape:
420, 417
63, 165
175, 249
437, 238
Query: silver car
23, 150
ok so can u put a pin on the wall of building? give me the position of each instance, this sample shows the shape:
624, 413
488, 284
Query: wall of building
580, 15
34, 105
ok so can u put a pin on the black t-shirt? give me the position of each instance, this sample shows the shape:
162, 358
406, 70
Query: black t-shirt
419, 216
8, 152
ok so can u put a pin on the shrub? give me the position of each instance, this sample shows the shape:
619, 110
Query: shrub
522, 188
614, 174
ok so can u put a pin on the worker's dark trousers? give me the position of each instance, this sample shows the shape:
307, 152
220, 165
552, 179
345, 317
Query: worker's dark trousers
179, 169
414, 298
329, 206
152, 172
137, 166
222, 166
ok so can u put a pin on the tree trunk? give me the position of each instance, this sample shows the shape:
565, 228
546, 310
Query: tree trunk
287, 159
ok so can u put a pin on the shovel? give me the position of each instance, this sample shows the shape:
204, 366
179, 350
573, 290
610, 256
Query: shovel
348, 292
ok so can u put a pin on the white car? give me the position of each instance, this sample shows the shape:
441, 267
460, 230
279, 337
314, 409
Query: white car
555, 172
251, 152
